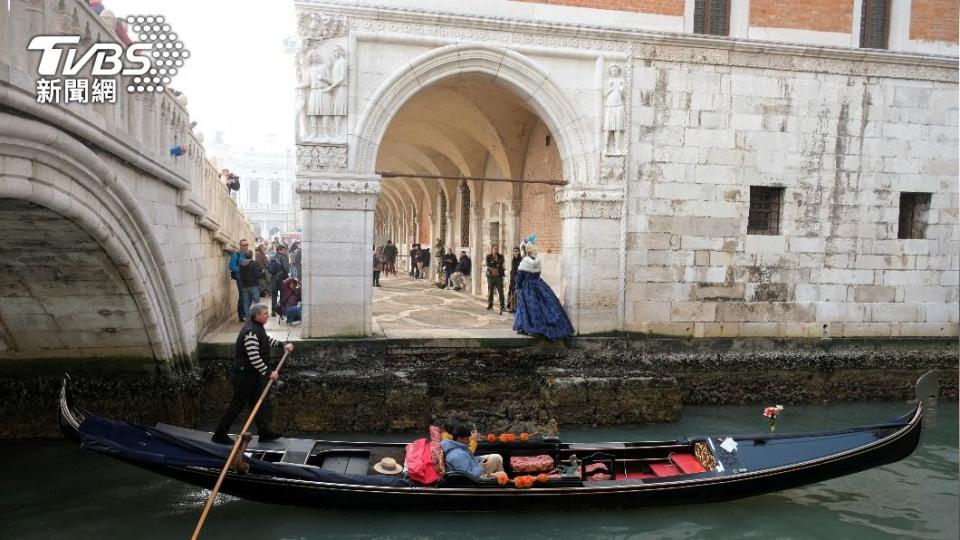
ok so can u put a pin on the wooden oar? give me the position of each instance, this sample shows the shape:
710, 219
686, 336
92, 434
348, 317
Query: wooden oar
235, 450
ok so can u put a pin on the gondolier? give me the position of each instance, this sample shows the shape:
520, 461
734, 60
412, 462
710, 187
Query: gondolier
249, 375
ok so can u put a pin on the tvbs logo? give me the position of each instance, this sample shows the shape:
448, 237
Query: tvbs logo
106, 58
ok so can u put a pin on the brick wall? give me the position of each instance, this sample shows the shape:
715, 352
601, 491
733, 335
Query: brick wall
934, 20
819, 15
660, 7
540, 213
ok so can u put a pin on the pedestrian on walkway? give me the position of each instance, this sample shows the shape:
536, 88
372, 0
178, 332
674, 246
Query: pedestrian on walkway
249, 376
514, 269
377, 265
463, 270
234, 266
414, 256
296, 255
251, 272
260, 255
449, 262
390, 259
494, 263
423, 262
279, 269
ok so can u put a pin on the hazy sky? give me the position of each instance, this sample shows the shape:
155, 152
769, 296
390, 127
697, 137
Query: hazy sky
238, 79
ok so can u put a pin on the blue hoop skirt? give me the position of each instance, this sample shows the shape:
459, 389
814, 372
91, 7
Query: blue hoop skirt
538, 309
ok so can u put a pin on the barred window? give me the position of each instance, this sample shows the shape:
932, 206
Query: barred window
874, 24
764, 217
443, 216
711, 17
254, 195
464, 215
914, 208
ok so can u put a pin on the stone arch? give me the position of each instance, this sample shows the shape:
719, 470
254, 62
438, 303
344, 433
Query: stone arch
75, 183
510, 68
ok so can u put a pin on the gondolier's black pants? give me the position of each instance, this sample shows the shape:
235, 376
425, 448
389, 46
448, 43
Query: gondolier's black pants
246, 391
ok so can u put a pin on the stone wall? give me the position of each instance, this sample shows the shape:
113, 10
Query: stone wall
842, 148
376, 385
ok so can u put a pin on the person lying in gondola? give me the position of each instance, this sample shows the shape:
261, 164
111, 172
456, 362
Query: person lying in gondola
538, 309
458, 457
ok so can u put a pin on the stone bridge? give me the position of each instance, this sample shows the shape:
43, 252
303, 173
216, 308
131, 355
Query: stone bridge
110, 246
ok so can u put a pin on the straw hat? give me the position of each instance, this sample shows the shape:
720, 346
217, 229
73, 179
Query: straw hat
388, 466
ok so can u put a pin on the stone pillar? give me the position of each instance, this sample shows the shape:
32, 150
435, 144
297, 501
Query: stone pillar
337, 261
590, 260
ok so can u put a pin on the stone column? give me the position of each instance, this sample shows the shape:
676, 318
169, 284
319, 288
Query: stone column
590, 260
337, 260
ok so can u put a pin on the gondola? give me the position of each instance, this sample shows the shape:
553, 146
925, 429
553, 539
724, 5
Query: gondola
341, 474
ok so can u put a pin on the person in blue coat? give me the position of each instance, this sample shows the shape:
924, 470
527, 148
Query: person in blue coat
538, 309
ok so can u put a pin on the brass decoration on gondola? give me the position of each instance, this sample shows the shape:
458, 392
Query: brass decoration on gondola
704, 456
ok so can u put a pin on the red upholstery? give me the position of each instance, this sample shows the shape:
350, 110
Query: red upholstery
665, 469
531, 464
687, 463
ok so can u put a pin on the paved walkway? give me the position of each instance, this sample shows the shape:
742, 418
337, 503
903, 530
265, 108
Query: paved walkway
404, 307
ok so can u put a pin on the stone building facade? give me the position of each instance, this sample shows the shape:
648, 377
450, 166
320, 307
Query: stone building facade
741, 170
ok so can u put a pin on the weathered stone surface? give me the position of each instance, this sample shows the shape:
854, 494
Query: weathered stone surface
380, 385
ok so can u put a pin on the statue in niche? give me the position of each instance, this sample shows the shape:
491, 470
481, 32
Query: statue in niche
614, 112
325, 99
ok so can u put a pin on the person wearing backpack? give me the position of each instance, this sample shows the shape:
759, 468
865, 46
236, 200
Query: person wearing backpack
279, 268
236, 257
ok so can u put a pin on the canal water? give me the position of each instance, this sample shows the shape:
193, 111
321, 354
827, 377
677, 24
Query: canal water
52, 489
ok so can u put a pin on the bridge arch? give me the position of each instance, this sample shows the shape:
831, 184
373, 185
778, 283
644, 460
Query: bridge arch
48, 172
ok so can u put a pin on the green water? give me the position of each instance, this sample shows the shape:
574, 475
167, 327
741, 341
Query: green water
52, 489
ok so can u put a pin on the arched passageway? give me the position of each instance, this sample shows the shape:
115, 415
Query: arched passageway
469, 126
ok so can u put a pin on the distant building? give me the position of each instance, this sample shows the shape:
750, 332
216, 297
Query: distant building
267, 194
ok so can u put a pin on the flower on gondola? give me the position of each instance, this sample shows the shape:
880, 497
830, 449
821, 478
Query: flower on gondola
524, 437
502, 479
523, 482
507, 438
472, 443
491, 438
542, 478
772, 413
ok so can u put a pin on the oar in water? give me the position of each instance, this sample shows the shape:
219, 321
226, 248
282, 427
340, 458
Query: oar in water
236, 449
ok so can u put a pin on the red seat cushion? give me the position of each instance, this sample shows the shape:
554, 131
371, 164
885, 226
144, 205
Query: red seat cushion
664, 469
687, 463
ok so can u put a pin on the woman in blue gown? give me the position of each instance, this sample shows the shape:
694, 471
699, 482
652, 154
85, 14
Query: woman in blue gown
538, 309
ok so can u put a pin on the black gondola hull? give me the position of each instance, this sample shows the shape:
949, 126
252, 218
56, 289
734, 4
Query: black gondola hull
892, 443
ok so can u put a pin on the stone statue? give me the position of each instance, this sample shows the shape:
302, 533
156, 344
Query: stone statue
323, 96
614, 112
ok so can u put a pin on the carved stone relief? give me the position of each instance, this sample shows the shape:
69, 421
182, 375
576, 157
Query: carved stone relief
614, 112
612, 169
590, 203
321, 158
343, 194
321, 60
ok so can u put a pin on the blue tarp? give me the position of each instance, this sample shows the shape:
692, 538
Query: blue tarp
141, 444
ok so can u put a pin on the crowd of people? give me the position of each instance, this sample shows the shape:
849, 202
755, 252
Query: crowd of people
271, 269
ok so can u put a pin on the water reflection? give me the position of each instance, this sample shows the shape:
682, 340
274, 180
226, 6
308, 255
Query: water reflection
54, 490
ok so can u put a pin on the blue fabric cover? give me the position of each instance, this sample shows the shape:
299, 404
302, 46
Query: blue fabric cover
538, 309
141, 444
458, 458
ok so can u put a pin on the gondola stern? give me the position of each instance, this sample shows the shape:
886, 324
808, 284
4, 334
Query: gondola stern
68, 417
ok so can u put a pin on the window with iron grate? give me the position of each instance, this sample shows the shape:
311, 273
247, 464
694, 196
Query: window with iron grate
711, 17
443, 215
765, 204
464, 215
914, 211
874, 24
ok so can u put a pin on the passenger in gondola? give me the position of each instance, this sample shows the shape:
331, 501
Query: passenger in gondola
458, 456
538, 309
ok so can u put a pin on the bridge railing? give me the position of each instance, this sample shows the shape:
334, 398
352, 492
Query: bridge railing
139, 128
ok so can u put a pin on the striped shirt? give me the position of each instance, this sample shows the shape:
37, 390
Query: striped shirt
252, 347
